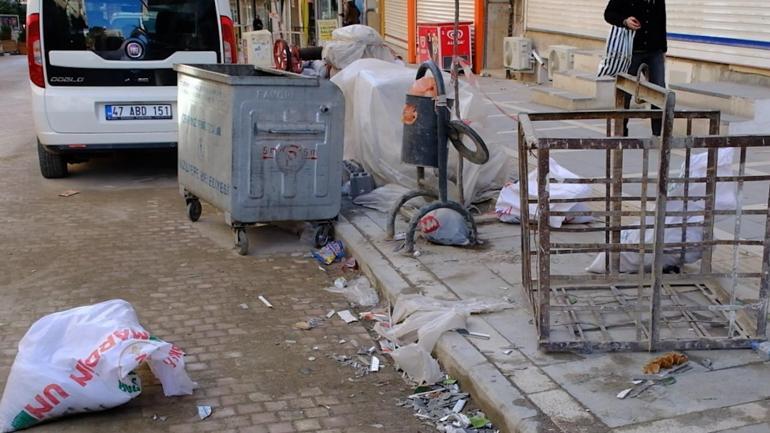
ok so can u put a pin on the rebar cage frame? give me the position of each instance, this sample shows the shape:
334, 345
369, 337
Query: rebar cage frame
658, 295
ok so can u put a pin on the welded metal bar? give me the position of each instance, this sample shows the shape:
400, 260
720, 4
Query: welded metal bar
714, 343
639, 323
684, 310
764, 282
618, 114
642, 237
525, 231
565, 301
669, 101
736, 236
544, 241
685, 202
645, 90
559, 279
566, 229
708, 218
672, 307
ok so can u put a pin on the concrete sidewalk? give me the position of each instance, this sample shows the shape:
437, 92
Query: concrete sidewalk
531, 391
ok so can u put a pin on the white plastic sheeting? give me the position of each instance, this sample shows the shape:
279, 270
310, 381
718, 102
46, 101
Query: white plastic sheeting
375, 93
420, 321
354, 42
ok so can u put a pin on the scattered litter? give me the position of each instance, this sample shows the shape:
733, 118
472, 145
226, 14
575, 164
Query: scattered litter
459, 406
623, 394
350, 264
343, 341
358, 291
479, 421
111, 344
667, 360
362, 369
347, 316
375, 364
290, 341
441, 406
265, 301
637, 381
507, 351
69, 193
322, 268
417, 253
316, 348
204, 412
244, 306
399, 236
304, 325
468, 333
311, 358
330, 314
330, 253
376, 425
157, 417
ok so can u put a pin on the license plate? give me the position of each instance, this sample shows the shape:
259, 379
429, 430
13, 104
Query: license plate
138, 112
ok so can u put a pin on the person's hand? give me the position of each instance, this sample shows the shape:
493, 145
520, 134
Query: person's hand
632, 23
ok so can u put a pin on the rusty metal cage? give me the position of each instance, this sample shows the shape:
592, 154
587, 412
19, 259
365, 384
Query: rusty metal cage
715, 296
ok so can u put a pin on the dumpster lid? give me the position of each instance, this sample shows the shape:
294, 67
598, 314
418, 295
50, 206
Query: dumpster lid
246, 75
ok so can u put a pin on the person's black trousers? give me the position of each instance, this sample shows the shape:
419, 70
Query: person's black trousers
656, 63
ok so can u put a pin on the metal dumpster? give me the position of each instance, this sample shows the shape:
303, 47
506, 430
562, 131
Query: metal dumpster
261, 145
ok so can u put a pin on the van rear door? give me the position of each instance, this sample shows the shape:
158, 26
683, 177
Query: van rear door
129, 46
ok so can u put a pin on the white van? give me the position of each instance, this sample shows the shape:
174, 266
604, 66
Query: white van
101, 71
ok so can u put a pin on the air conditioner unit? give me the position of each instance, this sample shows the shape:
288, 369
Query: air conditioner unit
560, 59
516, 53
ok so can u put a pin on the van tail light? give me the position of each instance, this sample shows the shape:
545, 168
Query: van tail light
34, 50
228, 40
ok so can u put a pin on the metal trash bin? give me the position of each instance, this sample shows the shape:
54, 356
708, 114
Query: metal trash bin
261, 145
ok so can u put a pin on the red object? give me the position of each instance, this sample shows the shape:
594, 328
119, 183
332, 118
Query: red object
435, 40
230, 54
35, 51
281, 55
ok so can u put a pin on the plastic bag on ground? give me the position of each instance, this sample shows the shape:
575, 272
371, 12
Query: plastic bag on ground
726, 199
83, 359
358, 291
445, 227
383, 198
508, 206
420, 322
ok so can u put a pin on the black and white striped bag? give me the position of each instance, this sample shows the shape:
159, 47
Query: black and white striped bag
617, 56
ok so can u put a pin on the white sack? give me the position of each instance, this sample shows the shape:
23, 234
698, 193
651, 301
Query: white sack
354, 42
726, 199
83, 359
508, 206
375, 93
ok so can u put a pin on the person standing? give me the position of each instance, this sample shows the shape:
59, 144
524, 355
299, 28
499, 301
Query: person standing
257, 24
351, 14
648, 19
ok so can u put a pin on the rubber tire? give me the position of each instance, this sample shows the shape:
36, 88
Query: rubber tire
324, 234
194, 210
241, 241
52, 165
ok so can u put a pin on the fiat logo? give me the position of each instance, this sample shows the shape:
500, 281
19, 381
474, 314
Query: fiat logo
134, 50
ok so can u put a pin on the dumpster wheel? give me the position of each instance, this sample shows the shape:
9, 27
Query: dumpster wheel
324, 233
241, 240
194, 209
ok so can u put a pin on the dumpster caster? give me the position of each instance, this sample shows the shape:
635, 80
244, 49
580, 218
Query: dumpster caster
241, 241
324, 233
194, 209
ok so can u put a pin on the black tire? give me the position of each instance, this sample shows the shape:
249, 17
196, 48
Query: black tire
52, 165
241, 241
194, 210
324, 234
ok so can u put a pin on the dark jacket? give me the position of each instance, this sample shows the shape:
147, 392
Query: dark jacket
651, 13
352, 15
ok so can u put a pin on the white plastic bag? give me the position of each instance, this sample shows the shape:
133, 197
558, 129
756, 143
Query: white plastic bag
422, 322
445, 227
351, 43
358, 291
83, 359
726, 199
508, 206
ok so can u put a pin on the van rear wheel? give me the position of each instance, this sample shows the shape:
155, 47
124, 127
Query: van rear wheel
52, 165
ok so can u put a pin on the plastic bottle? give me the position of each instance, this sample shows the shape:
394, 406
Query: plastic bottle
762, 348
